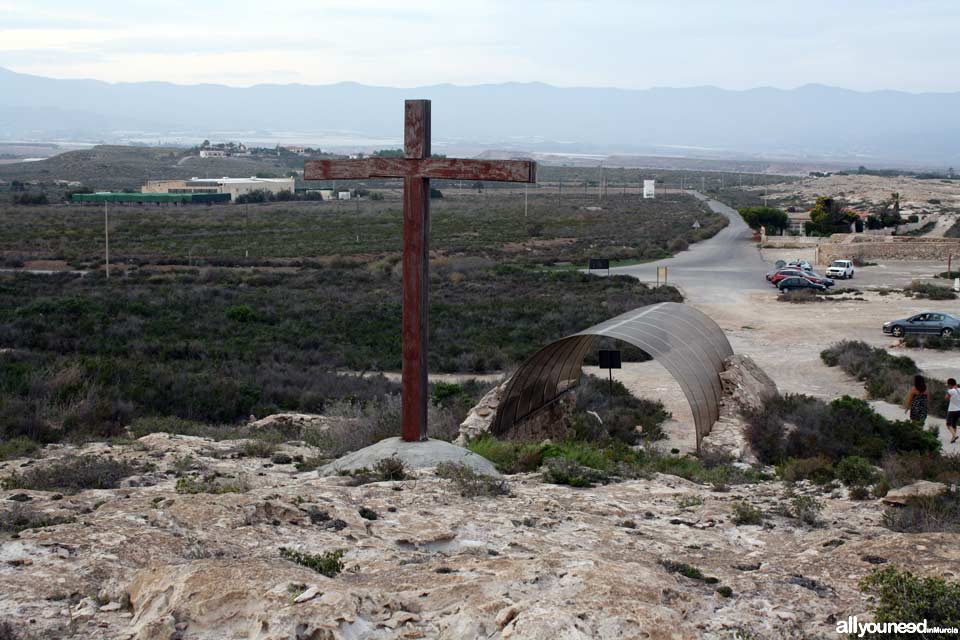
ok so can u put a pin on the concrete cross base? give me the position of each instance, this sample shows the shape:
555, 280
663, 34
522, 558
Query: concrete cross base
415, 455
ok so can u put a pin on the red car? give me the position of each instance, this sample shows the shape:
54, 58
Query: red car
780, 275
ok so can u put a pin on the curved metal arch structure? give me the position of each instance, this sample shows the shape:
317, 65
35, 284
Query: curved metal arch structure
687, 342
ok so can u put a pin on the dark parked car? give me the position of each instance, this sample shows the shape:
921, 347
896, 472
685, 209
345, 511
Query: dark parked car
797, 282
930, 323
775, 278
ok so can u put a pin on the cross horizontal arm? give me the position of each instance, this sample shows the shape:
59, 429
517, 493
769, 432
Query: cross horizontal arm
438, 168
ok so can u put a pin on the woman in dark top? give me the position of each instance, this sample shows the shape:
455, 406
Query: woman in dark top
918, 401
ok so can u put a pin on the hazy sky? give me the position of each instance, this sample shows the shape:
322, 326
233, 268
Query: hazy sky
912, 45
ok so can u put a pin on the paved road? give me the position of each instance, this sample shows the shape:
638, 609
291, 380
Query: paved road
715, 270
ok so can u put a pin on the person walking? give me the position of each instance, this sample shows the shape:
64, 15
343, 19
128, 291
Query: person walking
953, 409
918, 402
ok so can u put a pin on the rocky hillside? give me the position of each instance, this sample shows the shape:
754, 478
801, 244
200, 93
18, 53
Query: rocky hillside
204, 542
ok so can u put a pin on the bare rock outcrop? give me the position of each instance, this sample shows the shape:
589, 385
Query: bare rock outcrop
745, 385
545, 562
550, 422
919, 489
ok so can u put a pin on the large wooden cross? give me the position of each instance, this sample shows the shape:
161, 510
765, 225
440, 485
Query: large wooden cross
416, 169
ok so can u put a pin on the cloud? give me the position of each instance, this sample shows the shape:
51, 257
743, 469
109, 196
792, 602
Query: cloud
734, 44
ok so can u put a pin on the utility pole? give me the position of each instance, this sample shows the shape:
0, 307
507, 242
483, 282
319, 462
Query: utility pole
600, 185
560, 191
106, 236
525, 185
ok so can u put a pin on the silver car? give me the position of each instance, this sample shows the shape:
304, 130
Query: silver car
929, 323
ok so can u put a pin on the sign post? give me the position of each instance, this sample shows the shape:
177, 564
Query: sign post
610, 360
599, 264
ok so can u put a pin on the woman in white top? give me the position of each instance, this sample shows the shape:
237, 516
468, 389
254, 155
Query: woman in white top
953, 409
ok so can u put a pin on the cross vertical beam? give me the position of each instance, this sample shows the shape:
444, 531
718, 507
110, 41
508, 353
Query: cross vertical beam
416, 273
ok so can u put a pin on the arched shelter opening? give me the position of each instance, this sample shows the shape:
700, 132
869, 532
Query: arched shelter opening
687, 342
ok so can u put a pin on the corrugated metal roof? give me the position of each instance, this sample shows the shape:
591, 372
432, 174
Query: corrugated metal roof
690, 345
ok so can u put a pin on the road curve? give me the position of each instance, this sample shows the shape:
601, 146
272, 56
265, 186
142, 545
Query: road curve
715, 271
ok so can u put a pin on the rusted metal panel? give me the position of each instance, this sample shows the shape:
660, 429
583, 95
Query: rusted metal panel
438, 168
690, 346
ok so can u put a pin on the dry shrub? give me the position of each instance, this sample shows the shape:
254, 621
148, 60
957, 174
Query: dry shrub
72, 474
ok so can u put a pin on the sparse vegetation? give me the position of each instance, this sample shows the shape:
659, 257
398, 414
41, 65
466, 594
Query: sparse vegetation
921, 514
471, 484
19, 447
211, 484
72, 474
931, 291
901, 596
20, 517
615, 461
745, 513
806, 509
329, 563
568, 472
886, 377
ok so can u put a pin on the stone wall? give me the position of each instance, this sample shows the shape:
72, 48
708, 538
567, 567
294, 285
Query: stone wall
889, 248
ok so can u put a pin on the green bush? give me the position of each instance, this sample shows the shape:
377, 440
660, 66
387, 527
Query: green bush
329, 563
855, 471
568, 472
19, 447
902, 597
844, 427
615, 459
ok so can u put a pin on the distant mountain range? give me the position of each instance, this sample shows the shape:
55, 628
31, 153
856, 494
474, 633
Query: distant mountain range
813, 122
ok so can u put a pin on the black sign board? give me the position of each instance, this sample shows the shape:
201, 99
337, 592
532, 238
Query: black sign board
598, 263
609, 359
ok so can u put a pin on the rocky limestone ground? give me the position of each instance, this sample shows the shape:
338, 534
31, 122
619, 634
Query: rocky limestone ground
145, 562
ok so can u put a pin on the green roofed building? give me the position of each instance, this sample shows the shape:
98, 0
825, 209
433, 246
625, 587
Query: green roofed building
151, 198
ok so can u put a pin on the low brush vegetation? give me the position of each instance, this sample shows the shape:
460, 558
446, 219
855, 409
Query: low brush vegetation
832, 431
19, 517
470, 484
84, 357
580, 463
886, 377
73, 474
746, 514
924, 514
900, 596
940, 343
845, 440
329, 563
930, 291
211, 483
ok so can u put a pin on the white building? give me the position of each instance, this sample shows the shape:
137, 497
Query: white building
648, 188
234, 186
213, 153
